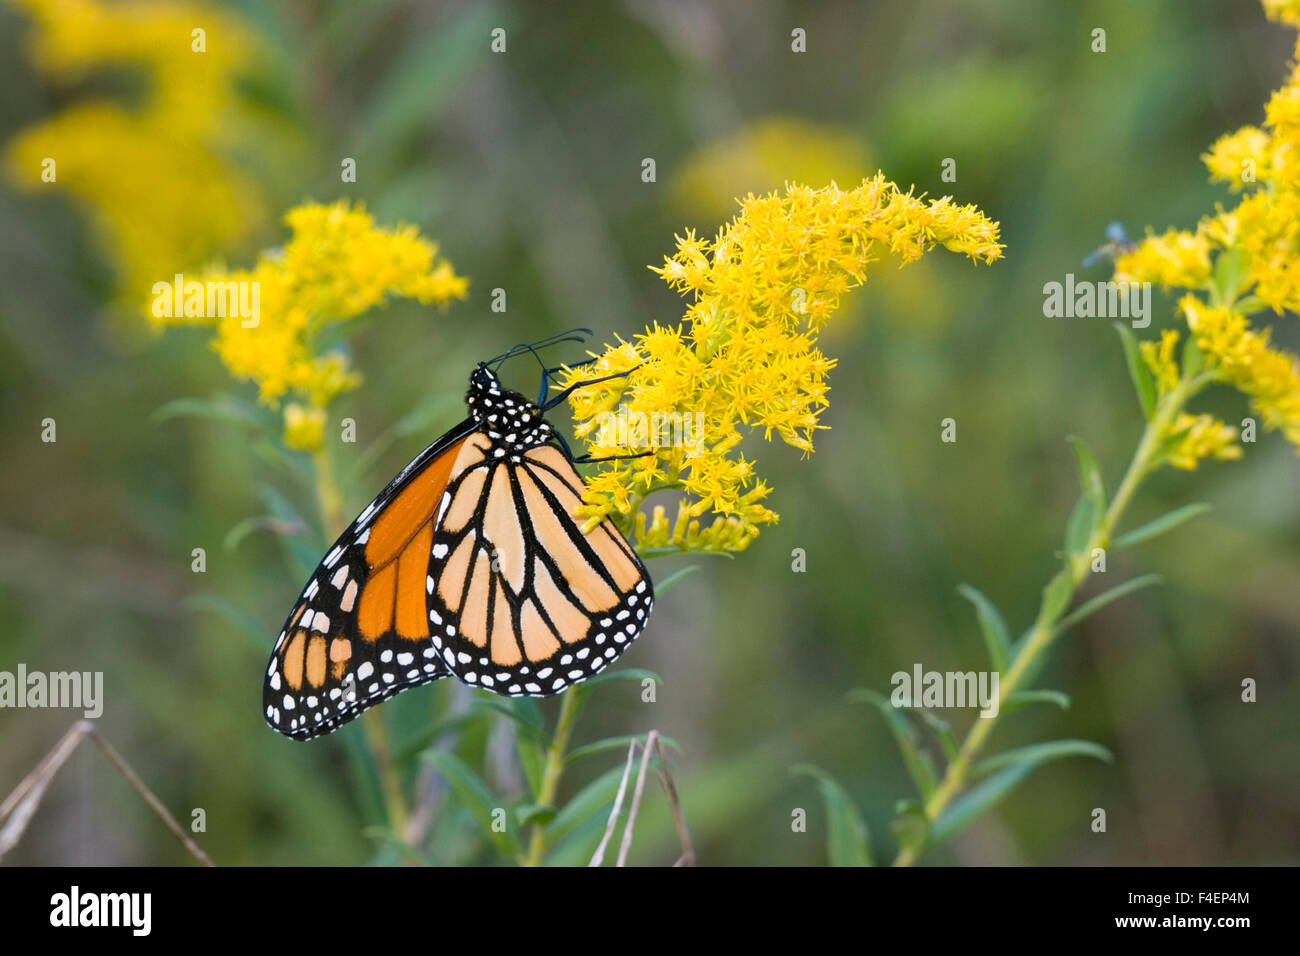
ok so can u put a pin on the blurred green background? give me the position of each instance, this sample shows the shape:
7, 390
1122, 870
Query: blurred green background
526, 167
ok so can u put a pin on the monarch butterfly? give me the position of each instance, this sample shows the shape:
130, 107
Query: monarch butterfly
468, 563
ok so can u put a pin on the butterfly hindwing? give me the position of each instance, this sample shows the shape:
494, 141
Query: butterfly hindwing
523, 602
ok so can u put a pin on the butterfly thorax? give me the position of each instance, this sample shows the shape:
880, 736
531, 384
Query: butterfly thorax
510, 421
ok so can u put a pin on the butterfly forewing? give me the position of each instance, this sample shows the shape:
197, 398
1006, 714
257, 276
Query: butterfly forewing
359, 631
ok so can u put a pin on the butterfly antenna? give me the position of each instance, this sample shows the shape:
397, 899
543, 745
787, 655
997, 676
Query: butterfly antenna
572, 335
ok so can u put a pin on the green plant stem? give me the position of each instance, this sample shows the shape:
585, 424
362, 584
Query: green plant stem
1045, 627
555, 754
376, 731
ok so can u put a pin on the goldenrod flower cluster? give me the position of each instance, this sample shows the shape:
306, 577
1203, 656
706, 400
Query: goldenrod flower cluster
336, 266
746, 357
153, 176
1189, 438
1243, 260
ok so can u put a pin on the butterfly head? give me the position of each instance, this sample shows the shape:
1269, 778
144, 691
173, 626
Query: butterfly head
509, 419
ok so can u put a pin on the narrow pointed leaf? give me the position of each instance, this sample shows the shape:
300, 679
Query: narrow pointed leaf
1138, 371
846, 835
943, 731
670, 582
1090, 480
1036, 754
1079, 528
615, 743
595, 797
983, 796
1101, 600
993, 627
1023, 698
1160, 525
475, 794
917, 761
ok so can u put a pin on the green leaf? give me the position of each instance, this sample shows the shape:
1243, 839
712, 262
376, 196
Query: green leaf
847, 843
993, 627
529, 722
670, 582
1227, 273
532, 758
911, 827
236, 535
534, 813
439, 728
1023, 698
1106, 597
244, 622
1193, 360
1160, 525
1015, 766
595, 797
1250, 305
915, 758
1090, 481
1079, 528
1056, 596
615, 743
943, 730
218, 409
1138, 371
475, 794
1037, 754
637, 674
983, 796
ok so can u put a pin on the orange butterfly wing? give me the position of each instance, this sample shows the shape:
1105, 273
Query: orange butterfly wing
524, 603
359, 632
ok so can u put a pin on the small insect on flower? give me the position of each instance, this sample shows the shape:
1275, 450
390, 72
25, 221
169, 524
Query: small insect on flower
469, 563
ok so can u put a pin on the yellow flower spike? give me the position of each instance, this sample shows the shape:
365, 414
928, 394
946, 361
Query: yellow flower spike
1160, 359
1245, 359
1200, 437
304, 428
1241, 158
1175, 259
746, 356
337, 265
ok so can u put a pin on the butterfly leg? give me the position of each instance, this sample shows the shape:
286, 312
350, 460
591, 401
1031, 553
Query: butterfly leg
548, 372
561, 396
588, 460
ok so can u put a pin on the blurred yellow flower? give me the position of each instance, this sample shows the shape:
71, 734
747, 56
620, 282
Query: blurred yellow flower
1284, 11
1195, 437
746, 354
1175, 259
761, 156
304, 428
153, 176
336, 266
1245, 359
1242, 260
1264, 164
